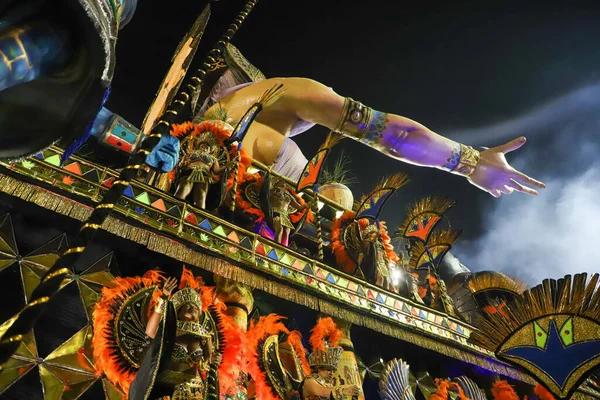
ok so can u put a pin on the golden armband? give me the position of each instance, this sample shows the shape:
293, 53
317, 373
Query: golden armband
467, 164
361, 123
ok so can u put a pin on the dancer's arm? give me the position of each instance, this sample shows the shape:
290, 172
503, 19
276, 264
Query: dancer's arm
402, 138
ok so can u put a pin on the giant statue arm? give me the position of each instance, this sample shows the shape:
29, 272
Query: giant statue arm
393, 135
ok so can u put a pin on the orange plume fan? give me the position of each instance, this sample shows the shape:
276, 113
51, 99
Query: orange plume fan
503, 391
189, 280
256, 335
295, 340
233, 350
443, 386
325, 329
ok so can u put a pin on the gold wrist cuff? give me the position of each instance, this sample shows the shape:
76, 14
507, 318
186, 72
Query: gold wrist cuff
354, 120
161, 305
469, 159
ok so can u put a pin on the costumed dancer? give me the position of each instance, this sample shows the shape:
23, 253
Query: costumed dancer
199, 163
156, 344
283, 204
373, 248
324, 361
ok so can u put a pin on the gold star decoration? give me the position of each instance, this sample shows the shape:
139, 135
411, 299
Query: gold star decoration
68, 371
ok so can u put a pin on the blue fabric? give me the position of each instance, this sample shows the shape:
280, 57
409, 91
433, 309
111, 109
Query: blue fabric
77, 143
165, 155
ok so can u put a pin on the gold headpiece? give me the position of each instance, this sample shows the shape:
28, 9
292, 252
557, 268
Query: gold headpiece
369, 229
192, 328
330, 358
186, 296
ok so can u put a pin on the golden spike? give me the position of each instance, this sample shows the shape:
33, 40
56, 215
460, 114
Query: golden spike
498, 280
395, 182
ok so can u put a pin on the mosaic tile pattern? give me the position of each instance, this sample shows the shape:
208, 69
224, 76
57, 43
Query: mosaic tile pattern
162, 212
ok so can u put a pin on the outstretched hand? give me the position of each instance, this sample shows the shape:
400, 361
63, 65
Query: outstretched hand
496, 176
169, 285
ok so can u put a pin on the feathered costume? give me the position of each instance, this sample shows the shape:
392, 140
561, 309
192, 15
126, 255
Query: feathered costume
139, 365
276, 359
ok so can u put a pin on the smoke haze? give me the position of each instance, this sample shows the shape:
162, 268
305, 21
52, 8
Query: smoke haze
555, 233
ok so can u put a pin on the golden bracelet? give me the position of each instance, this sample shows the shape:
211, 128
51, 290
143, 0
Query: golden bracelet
469, 159
354, 120
161, 305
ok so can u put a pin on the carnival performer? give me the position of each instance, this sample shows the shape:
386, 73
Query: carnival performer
307, 102
281, 201
159, 344
324, 361
200, 148
193, 357
373, 250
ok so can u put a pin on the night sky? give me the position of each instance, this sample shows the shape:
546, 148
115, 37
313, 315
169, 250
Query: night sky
461, 70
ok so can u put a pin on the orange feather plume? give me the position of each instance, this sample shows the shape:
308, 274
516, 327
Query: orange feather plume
443, 386
542, 392
295, 340
103, 341
325, 329
342, 258
234, 351
503, 391
266, 326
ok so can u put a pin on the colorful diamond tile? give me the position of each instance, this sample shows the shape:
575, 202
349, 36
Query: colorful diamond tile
74, 168
389, 301
260, 249
53, 160
422, 314
397, 305
297, 265
272, 255
360, 290
286, 259
143, 198
191, 218
109, 182
405, 308
352, 286
308, 269
246, 242
438, 319
414, 312
343, 282
459, 329
205, 225
431, 317
129, 192
331, 278
320, 273
285, 271
220, 231
452, 325
233, 237
370, 294
39, 156
175, 211
380, 298
92, 176
353, 298
160, 205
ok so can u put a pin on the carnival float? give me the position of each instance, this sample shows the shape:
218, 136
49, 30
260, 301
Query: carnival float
205, 269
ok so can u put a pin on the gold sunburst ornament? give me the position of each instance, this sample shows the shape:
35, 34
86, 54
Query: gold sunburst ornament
551, 331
